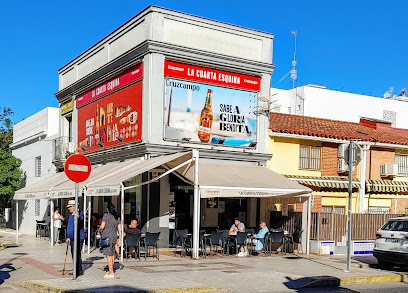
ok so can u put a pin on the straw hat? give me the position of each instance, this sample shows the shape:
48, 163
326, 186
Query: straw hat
71, 203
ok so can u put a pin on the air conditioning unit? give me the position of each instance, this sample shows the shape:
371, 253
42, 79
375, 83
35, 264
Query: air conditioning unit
342, 166
342, 149
389, 170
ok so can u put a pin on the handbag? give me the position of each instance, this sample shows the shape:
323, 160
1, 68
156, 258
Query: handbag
104, 242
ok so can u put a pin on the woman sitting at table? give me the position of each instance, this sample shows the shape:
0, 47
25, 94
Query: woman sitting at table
258, 238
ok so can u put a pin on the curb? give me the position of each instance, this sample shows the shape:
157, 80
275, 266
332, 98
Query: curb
334, 282
44, 288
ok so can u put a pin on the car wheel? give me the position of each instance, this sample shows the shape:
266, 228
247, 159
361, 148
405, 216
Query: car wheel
385, 265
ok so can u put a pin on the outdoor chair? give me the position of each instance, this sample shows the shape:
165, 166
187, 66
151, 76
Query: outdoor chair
150, 244
181, 237
216, 240
133, 240
250, 231
276, 237
296, 239
188, 246
241, 240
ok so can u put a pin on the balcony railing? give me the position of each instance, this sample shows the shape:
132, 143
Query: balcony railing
62, 148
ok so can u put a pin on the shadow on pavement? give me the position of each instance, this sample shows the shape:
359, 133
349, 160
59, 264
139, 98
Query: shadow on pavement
8, 267
316, 284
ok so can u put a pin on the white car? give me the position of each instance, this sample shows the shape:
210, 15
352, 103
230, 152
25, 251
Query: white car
391, 245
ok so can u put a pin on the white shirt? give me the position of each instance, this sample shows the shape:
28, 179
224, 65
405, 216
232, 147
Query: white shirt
57, 223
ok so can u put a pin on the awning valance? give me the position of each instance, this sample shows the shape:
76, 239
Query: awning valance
387, 186
326, 182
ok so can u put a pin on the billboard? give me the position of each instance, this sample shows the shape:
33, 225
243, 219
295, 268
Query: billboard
208, 112
111, 120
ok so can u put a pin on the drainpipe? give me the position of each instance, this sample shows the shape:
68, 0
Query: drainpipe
363, 168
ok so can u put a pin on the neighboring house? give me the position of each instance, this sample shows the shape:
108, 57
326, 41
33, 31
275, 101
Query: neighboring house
311, 151
33, 145
318, 101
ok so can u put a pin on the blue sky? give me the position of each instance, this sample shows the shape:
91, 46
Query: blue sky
354, 46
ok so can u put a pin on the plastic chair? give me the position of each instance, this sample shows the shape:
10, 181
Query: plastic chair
150, 242
133, 240
181, 237
296, 239
277, 237
189, 243
216, 241
240, 240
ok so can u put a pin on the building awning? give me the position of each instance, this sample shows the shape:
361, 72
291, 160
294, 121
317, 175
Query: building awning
40, 189
110, 184
231, 180
324, 183
387, 186
98, 172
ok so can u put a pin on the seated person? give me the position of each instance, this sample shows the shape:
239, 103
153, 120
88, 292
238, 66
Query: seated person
258, 238
237, 227
132, 229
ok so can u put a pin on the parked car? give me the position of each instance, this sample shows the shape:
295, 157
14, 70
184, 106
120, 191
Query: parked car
391, 245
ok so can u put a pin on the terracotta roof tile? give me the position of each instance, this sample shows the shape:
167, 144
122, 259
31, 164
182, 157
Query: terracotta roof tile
317, 127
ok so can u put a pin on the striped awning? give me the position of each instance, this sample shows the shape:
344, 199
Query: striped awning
387, 186
327, 182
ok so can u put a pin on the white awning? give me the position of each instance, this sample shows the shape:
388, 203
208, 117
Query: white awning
229, 180
98, 172
40, 189
110, 185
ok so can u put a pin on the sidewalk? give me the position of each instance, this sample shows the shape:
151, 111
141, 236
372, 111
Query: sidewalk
37, 266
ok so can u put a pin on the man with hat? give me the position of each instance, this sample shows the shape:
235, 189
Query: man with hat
71, 232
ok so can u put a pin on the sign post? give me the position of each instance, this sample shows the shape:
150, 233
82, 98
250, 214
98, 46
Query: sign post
77, 168
352, 156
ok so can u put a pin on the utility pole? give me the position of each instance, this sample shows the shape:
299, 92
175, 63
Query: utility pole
293, 72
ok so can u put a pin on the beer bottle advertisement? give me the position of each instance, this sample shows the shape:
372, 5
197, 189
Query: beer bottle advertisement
198, 112
112, 120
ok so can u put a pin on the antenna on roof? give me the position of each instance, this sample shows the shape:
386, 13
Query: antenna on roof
388, 94
293, 72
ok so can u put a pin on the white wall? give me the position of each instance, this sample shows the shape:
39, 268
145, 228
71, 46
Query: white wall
316, 101
27, 145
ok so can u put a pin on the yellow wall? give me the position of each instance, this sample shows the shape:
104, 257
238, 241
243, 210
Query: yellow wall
285, 156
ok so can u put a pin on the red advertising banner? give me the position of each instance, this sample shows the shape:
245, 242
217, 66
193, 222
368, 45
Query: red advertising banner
111, 120
208, 75
124, 78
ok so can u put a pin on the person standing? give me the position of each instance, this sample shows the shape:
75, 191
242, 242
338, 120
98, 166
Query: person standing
111, 227
57, 224
71, 232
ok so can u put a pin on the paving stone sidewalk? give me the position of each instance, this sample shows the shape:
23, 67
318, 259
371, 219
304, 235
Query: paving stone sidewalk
37, 265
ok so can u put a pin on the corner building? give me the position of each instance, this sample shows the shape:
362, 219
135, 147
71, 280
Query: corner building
167, 82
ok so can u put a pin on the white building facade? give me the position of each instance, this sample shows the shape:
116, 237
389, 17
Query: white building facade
318, 101
33, 145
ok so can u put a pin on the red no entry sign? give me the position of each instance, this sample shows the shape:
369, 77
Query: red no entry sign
77, 168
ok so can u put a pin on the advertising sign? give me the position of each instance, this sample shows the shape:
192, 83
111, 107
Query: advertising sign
67, 107
207, 112
126, 77
213, 76
111, 120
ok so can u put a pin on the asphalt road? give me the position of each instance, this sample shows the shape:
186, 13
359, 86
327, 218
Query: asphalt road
395, 287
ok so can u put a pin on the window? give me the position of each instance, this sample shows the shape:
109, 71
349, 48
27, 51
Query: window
37, 166
309, 157
37, 207
402, 162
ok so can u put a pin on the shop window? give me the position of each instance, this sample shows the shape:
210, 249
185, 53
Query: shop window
402, 162
37, 166
309, 157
